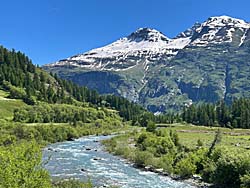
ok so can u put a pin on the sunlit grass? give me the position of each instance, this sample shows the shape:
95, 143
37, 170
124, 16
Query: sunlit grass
235, 139
7, 106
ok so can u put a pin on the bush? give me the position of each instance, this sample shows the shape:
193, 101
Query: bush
232, 169
175, 138
164, 145
185, 168
72, 184
245, 181
209, 168
166, 162
143, 158
21, 167
151, 127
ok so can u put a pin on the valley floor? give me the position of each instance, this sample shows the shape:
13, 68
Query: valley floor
234, 139
189, 157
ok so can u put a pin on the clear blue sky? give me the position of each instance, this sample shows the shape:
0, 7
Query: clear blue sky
49, 30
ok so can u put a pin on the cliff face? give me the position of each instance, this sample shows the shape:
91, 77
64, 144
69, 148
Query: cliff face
208, 62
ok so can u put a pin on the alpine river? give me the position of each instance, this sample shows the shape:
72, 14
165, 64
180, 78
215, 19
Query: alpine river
86, 159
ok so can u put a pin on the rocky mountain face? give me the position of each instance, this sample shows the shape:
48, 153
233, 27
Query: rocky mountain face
208, 62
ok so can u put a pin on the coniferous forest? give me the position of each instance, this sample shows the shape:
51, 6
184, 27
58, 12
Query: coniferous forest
235, 115
31, 84
54, 110
48, 99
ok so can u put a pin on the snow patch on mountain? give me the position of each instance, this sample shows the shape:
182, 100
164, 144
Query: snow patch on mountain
243, 37
149, 45
221, 21
143, 43
217, 30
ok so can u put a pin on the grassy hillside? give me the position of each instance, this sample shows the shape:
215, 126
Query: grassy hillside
37, 108
50, 109
7, 105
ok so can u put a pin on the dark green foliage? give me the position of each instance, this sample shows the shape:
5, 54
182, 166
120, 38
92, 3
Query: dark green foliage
127, 110
199, 143
231, 169
25, 81
236, 115
151, 127
175, 138
206, 73
31, 84
217, 139
49, 100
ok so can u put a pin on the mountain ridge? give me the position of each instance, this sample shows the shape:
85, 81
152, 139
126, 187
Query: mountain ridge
162, 73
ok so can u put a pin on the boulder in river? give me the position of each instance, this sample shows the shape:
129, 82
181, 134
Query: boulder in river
70, 139
83, 170
159, 170
97, 159
149, 168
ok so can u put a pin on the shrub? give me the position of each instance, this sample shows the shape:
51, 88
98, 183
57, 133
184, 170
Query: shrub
72, 184
232, 169
143, 158
185, 168
245, 181
21, 167
166, 162
151, 127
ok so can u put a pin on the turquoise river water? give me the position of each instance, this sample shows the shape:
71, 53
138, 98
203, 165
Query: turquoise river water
85, 158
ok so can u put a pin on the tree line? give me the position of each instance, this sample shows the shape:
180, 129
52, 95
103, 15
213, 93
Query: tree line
30, 83
235, 115
62, 113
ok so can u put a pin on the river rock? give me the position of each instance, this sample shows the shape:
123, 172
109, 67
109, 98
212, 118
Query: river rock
159, 170
149, 168
70, 139
197, 177
83, 170
97, 159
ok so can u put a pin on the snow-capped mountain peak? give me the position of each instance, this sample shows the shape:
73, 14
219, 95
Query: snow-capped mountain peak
145, 44
202, 63
147, 34
220, 21
220, 29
